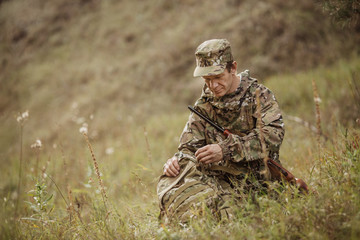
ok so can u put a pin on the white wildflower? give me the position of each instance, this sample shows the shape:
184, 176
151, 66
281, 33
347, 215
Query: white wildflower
109, 151
84, 129
317, 100
37, 144
23, 117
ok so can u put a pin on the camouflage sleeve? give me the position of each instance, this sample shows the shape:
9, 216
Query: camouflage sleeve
248, 146
192, 138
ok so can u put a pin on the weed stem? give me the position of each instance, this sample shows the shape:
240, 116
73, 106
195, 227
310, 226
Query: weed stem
20, 169
96, 166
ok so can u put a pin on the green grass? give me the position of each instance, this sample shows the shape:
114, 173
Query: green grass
338, 88
130, 175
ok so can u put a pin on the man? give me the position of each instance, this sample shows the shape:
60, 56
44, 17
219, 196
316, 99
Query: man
210, 171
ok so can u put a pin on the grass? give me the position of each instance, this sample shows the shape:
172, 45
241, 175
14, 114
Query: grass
77, 210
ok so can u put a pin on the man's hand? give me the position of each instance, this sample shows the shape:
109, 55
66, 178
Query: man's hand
209, 154
171, 167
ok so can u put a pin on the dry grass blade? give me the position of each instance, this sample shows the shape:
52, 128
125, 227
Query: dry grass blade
96, 167
148, 146
20, 170
71, 205
317, 101
21, 119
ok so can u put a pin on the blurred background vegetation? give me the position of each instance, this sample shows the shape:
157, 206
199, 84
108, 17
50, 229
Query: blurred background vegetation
125, 68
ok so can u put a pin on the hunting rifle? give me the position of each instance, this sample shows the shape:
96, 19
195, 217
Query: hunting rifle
277, 171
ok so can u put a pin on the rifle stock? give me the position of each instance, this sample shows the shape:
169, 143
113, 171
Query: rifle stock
277, 171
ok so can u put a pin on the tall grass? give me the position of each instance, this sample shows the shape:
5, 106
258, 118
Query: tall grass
66, 202
21, 119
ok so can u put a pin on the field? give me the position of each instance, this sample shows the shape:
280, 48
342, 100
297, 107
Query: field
121, 72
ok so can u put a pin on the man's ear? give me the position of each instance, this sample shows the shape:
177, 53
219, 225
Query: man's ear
234, 68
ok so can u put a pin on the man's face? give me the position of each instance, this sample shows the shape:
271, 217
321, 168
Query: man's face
220, 84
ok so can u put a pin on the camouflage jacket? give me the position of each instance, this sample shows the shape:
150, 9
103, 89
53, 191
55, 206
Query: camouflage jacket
236, 112
242, 150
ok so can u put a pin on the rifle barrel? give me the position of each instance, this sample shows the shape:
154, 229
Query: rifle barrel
207, 120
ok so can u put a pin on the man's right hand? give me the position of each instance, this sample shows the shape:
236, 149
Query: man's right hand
171, 167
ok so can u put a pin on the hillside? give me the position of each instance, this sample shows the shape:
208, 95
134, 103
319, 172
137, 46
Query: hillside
125, 58
124, 69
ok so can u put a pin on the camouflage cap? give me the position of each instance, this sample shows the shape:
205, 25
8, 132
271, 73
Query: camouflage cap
212, 57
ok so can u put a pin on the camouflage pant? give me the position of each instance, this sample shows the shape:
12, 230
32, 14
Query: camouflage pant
195, 192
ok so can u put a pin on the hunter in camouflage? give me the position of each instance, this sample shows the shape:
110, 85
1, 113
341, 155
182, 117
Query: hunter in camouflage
209, 171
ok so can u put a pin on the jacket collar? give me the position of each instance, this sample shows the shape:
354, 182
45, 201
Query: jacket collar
229, 100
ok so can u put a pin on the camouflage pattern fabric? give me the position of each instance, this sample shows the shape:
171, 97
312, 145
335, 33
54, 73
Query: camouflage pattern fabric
213, 185
196, 193
212, 57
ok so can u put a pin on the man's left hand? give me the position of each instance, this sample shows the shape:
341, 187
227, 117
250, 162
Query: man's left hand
209, 154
